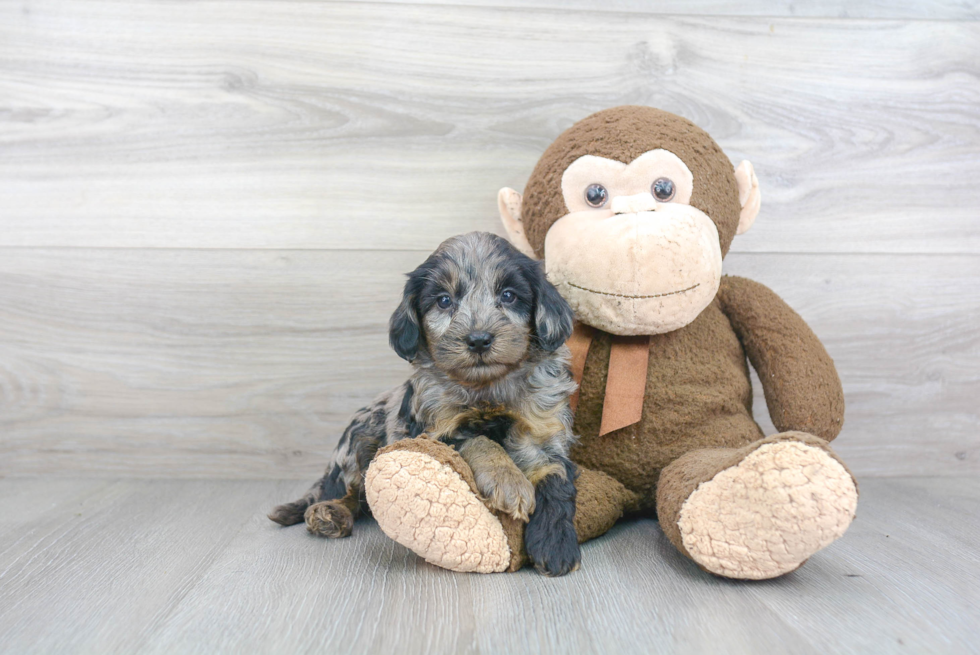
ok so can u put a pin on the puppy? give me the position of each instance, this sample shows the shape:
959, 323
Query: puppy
485, 333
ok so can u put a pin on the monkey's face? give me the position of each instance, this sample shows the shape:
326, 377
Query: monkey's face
632, 209
632, 255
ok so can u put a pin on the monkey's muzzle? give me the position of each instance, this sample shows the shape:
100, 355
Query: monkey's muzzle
648, 272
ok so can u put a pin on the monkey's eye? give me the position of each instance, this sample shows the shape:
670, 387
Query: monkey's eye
596, 195
444, 301
508, 297
663, 189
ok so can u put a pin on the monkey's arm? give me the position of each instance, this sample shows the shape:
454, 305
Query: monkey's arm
801, 385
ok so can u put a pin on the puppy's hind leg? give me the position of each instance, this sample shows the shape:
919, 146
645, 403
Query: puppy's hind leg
329, 487
331, 505
334, 518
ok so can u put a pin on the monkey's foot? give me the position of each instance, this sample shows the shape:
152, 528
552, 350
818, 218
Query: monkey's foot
765, 513
424, 496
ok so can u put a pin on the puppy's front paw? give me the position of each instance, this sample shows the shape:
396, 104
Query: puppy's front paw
552, 546
508, 491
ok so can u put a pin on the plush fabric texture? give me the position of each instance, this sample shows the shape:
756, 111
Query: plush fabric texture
423, 496
749, 196
600, 502
698, 395
625, 133
632, 274
798, 377
698, 391
737, 503
759, 511
628, 184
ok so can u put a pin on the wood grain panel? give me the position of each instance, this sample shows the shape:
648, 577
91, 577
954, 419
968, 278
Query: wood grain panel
932, 10
190, 362
249, 363
340, 125
141, 566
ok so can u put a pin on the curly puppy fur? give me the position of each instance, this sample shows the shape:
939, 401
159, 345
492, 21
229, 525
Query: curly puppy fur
485, 332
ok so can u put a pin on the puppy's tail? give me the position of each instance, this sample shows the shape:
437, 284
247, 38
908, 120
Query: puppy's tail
330, 487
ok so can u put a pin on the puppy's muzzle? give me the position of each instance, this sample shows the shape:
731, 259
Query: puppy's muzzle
479, 342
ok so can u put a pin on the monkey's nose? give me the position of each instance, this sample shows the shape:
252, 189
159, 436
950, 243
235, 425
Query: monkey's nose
641, 202
479, 342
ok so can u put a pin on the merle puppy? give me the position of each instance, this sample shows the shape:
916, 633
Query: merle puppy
485, 332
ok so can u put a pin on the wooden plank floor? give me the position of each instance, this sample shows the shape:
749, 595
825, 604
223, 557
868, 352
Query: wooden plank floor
164, 566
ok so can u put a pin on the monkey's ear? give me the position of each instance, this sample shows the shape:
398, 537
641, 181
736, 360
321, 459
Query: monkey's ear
404, 332
748, 195
509, 204
552, 315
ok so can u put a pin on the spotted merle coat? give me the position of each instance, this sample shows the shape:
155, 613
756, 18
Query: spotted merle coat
484, 331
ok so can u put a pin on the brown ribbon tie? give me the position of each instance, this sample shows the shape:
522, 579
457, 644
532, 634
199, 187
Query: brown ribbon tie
626, 379
579, 344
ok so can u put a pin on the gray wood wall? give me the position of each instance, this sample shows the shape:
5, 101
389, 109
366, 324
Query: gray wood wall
206, 208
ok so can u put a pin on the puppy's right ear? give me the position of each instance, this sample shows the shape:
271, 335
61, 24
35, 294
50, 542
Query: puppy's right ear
404, 332
553, 318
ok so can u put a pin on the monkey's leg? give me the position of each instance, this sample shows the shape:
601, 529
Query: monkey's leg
425, 497
759, 511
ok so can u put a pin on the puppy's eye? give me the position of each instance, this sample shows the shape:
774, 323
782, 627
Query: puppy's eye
596, 195
444, 301
507, 297
663, 189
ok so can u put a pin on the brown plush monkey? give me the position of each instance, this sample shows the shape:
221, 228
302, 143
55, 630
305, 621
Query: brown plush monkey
633, 210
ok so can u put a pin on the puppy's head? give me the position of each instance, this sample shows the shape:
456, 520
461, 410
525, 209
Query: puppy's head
477, 307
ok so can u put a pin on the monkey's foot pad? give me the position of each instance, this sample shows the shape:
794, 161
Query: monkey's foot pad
766, 515
418, 494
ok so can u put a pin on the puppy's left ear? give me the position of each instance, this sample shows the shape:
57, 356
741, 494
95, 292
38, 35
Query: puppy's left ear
404, 332
552, 315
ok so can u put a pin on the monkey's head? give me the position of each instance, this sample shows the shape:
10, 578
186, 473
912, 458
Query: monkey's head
633, 209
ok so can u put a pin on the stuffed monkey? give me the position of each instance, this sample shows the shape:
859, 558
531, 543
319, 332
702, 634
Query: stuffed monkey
633, 210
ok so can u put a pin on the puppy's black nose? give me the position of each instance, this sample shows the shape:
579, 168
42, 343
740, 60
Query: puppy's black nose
479, 342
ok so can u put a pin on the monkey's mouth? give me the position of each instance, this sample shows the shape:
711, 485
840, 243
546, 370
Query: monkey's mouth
623, 295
